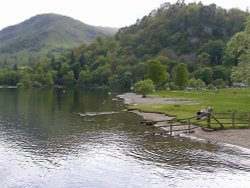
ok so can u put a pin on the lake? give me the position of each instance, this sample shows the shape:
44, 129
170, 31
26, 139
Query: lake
78, 138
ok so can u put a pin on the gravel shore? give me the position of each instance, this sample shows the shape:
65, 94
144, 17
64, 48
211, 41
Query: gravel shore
237, 137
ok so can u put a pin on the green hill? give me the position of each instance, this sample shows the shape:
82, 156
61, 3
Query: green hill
38, 35
201, 42
194, 34
180, 30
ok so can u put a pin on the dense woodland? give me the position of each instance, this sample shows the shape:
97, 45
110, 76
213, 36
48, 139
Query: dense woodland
176, 46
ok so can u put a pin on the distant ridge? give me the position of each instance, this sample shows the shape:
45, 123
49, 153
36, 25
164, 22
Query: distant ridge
39, 34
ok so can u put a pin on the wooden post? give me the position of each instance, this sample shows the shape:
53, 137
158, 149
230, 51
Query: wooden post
233, 119
209, 119
171, 129
153, 129
189, 125
249, 119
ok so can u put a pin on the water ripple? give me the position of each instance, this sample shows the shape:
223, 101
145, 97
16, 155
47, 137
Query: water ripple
62, 149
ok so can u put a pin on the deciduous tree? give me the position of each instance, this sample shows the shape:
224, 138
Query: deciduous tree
181, 76
156, 72
241, 73
144, 87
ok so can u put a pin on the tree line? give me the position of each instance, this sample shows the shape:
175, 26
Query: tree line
176, 46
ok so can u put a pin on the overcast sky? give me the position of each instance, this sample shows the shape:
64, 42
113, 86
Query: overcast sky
113, 13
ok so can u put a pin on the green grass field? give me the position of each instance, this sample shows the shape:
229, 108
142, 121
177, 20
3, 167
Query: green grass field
226, 100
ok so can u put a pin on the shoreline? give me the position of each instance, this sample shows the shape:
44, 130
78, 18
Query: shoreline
236, 137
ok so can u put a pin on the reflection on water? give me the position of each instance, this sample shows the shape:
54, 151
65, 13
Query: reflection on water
53, 138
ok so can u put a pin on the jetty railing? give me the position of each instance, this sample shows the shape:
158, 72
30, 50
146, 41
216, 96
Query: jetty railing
175, 125
209, 122
230, 119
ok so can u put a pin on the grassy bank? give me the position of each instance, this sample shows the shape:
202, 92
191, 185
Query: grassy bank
226, 100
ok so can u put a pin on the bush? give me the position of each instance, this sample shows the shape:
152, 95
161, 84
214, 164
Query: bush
37, 84
144, 87
220, 83
210, 86
172, 86
20, 85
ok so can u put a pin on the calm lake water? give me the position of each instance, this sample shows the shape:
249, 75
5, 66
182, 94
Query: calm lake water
55, 138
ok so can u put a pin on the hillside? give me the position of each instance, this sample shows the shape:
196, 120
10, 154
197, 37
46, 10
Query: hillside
39, 34
194, 34
200, 42
180, 30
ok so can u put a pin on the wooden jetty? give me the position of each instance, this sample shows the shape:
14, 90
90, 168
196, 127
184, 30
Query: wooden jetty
208, 122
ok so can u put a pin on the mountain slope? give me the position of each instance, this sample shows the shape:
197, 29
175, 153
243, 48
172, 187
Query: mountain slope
41, 33
194, 34
180, 29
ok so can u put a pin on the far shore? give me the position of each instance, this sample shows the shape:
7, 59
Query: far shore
237, 137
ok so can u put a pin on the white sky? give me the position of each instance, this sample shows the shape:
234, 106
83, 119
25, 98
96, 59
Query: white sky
113, 13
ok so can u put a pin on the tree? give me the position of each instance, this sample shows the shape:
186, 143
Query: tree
144, 87
181, 76
199, 84
203, 59
219, 72
82, 60
70, 81
239, 51
238, 46
81, 79
72, 58
49, 79
204, 74
76, 69
15, 67
85, 78
241, 73
156, 72
247, 28
9, 77
114, 82
215, 49
102, 73
126, 80
192, 83
26, 80
139, 71
219, 83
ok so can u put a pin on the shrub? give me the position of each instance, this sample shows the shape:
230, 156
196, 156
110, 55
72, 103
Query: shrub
144, 87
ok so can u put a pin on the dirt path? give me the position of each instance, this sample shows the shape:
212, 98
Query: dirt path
238, 137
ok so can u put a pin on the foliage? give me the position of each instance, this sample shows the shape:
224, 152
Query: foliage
156, 72
69, 80
239, 50
237, 46
9, 77
205, 74
181, 76
215, 51
241, 73
194, 36
219, 83
144, 87
203, 59
198, 84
